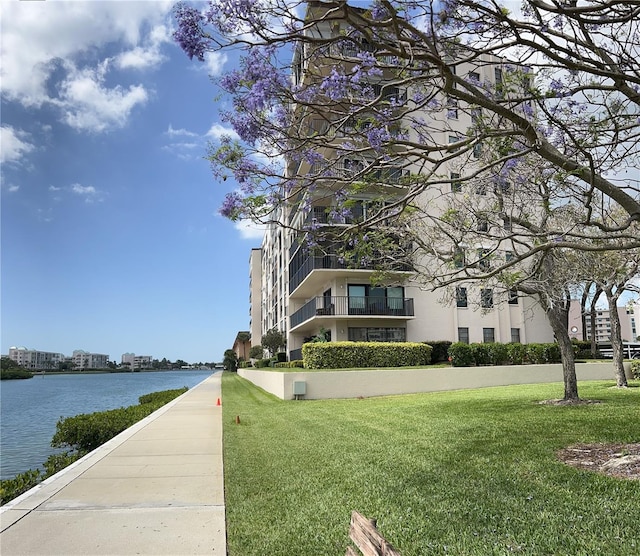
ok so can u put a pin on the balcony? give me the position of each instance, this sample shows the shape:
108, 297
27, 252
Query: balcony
343, 306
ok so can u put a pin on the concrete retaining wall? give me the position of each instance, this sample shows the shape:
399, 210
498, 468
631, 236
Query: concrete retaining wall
322, 385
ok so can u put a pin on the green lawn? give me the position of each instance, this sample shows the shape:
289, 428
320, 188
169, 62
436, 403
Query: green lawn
467, 472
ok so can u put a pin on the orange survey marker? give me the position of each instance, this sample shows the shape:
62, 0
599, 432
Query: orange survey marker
218, 402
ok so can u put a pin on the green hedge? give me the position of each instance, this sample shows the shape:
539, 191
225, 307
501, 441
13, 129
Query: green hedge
480, 354
440, 350
295, 364
348, 355
635, 368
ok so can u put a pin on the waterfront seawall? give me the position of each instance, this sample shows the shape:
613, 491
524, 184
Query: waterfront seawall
156, 488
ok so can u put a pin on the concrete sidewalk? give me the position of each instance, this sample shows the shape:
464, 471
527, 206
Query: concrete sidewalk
156, 488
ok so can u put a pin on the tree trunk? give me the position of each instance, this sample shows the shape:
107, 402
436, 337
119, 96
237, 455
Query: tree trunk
616, 337
592, 316
583, 311
558, 317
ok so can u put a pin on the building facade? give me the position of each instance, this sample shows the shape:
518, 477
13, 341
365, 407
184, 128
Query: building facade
34, 359
84, 360
628, 315
136, 362
310, 290
255, 296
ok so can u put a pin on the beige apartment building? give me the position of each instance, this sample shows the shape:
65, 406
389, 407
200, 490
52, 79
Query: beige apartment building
629, 324
306, 291
34, 359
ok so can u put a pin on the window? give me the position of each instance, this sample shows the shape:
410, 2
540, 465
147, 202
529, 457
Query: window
515, 335
483, 259
474, 76
452, 108
509, 256
377, 334
482, 225
476, 114
513, 297
481, 189
488, 335
463, 335
507, 225
486, 298
370, 300
477, 149
453, 139
456, 184
458, 257
461, 297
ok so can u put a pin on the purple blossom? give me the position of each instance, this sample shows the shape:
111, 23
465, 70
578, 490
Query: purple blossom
190, 35
233, 16
232, 206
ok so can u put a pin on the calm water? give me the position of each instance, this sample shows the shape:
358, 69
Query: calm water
31, 408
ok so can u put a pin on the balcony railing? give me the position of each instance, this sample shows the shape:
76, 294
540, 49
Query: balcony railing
312, 263
353, 305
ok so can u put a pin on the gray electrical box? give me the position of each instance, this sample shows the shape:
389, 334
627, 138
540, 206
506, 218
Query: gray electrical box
299, 388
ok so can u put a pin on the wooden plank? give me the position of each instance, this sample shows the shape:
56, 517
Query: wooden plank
366, 537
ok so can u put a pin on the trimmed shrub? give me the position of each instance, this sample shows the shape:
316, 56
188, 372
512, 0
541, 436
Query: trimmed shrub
516, 353
460, 354
345, 355
480, 353
635, 368
552, 353
535, 353
262, 363
295, 364
498, 353
440, 350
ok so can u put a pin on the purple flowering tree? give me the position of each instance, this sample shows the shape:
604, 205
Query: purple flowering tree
536, 113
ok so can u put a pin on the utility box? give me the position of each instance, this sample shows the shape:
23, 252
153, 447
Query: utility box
299, 389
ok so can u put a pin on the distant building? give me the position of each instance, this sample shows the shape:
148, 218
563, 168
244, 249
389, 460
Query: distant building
255, 296
629, 326
242, 345
84, 360
34, 359
136, 361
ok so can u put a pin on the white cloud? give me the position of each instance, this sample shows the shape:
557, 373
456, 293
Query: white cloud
45, 40
14, 144
250, 230
54, 188
88, 105
179, 132
147, 55
12, 188
214, 62
216, 131
88, 192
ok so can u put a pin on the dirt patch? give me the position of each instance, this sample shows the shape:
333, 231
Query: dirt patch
614, 460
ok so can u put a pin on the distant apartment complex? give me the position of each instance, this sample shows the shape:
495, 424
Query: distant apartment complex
85, 360
306, 290
33, 359
629, 323
134, 361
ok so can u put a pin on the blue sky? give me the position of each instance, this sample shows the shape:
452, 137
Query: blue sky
111, 241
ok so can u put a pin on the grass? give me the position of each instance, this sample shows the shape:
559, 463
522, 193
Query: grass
467, 473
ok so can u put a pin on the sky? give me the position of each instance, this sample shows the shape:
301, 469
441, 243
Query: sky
111, 240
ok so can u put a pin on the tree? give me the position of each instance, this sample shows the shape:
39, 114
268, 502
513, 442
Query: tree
256, 352
242, 338
370, 103
566, 91
230, 361
612, 273
273, 340
6, 363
